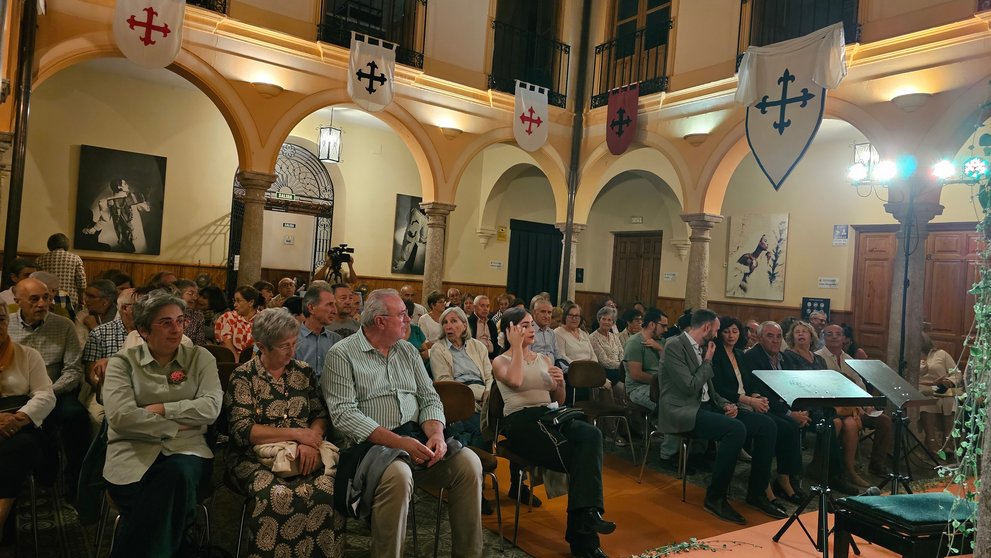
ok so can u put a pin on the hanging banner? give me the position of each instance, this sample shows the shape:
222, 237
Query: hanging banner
784, 88
373, 69
530, 121
621, 123
149, 32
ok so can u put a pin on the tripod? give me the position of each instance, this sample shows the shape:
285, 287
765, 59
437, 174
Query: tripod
819, 492
895, 477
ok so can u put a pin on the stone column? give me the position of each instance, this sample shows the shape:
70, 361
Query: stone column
255, 185
697, 290
433, 267
572, 266
919, 214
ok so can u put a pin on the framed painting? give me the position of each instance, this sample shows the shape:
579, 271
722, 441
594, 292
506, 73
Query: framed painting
758, 247
409, 243
119, 201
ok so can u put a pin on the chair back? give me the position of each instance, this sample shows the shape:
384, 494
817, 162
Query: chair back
220, 352
655, 387
586, 374
458, 400
246, 354
497, 406
224, 370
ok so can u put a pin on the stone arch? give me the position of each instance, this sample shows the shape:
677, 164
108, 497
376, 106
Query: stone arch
409, 130
56, 57
733, 147
546, 159
603, 167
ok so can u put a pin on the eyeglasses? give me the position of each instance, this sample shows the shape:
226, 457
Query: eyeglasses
402, 315
288, 347
574, 315
168, 323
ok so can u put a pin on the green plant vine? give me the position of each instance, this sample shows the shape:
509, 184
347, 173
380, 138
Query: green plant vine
967, 435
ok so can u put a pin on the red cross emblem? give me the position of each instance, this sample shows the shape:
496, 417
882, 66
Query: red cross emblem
530, 121
149, 26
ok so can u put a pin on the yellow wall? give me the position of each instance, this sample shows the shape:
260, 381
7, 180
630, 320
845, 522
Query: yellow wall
295, 17
79, 106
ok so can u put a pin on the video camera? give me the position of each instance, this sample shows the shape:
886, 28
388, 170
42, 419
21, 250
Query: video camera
339, 255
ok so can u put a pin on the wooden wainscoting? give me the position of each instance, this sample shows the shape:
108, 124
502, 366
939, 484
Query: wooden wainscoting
141, 271
744, 311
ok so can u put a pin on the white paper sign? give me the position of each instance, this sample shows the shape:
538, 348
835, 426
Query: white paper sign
670, 275
495, 264
841, 235
829, 282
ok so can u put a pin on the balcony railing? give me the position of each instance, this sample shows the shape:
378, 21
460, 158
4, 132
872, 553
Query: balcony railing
637, 58
765, 22
219, 6
398, 21
526, 56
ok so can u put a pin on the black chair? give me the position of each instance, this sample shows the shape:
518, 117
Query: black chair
459, 405
220, 352
591, 374
107, 506
683, 448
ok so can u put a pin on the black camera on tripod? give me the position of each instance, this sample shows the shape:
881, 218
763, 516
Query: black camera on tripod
339, 255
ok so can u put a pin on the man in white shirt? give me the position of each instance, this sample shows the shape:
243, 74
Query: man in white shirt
408, 293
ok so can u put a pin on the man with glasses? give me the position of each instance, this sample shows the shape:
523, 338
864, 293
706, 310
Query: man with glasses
101, 343
377, 390
35, 326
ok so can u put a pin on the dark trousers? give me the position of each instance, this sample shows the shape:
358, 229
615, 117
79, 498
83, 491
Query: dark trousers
762, 429
712, 424
788, 449
468, 431
19, 454
155, 511
580, 456
68, 424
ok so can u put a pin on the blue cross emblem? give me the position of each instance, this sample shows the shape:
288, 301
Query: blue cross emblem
784, 101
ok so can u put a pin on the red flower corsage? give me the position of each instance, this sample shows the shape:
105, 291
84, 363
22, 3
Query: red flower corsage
177, 377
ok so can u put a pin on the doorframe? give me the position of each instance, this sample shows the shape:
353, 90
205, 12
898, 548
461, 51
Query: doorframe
634, 234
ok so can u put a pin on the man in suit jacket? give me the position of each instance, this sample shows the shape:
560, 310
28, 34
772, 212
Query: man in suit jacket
689, 403
487, 334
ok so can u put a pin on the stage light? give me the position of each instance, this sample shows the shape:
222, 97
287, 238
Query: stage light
885, 171
944, 170
857, 173
975, 168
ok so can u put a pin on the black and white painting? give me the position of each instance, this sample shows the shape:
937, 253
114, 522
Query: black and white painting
119, 201
409, 243
758, 245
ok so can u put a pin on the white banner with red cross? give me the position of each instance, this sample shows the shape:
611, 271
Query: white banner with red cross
372, 72
149, 32
784, 88
530, 121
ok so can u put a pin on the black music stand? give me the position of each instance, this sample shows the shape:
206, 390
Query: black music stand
815, 389
902, 395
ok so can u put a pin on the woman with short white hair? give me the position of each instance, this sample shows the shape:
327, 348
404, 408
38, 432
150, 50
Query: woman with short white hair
460, 357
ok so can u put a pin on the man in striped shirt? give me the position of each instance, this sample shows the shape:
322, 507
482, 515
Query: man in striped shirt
378, 390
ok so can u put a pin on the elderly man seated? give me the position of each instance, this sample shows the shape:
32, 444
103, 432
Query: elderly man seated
377, 389
102, 343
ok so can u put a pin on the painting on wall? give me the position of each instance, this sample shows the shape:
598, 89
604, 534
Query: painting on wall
409, 243
758, 245
119, 201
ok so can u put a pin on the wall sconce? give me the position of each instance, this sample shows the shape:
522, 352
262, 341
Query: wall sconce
267, 90
696, 140
910, 102
450, 133
330, 144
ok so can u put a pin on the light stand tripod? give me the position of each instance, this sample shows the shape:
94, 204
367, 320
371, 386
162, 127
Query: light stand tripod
812, 389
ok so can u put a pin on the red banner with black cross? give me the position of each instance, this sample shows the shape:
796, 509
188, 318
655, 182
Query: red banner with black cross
621, 123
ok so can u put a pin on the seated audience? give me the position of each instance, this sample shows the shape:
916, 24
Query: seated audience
101, 343
162, 279
233, 328
572, 338
690, 403
159, 397
287, 288
26, 398
119, 278
294, 305
633, 320
606, 345
481, 327
938, 378
266, 290
460, 357
850, 346
344, 323
502, 304
61, 303
642, 355
752, 337
468, 304
377, 390
767, 355
414, 335
66, 267
454, 297
818, 320
274, 405
315, 339
21, 268
430, 322
557, 317
855, 418
195, 325
529, 383
212, 303
35, 326
100, 307
409, 293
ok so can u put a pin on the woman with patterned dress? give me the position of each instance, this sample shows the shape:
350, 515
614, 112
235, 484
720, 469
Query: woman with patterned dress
275, 399
233, 328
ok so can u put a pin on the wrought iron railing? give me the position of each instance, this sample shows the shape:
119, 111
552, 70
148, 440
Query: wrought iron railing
219, 6
398, 21
529, 57
640, 57
765, 22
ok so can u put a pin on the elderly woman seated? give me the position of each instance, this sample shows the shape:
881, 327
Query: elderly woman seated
529, 384
462, 358
277, 422
159, 398
26, 398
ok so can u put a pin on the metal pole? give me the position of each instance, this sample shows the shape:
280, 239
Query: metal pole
907, 253
22, 102
577, 132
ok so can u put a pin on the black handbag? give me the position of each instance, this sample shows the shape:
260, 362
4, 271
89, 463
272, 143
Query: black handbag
561, 416
13, 403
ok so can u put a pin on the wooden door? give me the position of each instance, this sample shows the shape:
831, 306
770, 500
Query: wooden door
872, 291
636, 267
951, 268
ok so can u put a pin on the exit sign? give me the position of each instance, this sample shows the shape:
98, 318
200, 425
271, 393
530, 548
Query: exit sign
636, 220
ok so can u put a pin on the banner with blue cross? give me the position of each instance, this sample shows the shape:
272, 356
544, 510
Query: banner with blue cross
784, 88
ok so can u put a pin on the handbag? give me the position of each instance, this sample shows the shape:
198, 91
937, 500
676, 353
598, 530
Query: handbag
13, 403
561, 416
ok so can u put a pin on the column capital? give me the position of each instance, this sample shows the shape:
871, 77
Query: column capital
485, 235
255, 180
922, 211
682, 245
701, 224
441, 209
576, 229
